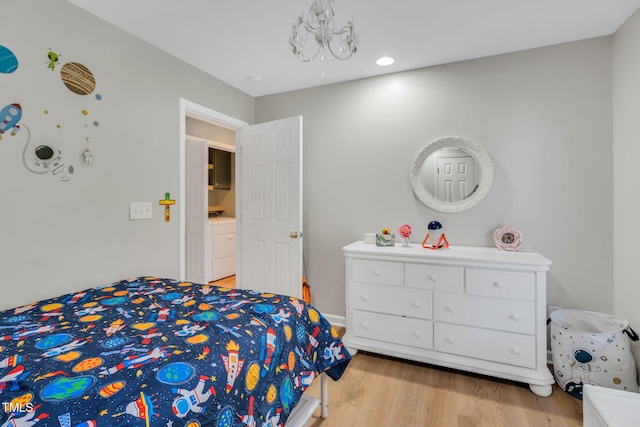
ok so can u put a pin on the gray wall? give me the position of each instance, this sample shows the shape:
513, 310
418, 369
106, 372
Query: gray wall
626, 151
544, 115
195, 127
59, 236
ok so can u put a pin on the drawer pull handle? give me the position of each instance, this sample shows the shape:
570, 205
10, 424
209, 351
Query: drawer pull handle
417, 334
515, 351
376, 273
515, 316
497, 284
416, 304
449, 308
449, 340
365, 298
432, 278
365, 325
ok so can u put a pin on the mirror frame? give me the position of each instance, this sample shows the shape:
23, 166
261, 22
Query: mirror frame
478, 153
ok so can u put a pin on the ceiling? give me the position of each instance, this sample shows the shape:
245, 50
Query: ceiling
235, 40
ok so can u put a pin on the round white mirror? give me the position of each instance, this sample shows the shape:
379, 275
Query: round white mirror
452, 174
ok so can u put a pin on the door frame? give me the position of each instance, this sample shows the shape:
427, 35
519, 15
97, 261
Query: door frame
196, 111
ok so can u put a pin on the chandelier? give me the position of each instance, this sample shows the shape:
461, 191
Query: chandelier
341, 44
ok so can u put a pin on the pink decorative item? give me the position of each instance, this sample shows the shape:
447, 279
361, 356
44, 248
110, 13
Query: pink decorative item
405, 233
507, 238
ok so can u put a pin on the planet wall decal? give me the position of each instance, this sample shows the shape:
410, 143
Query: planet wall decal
77, 78
8, 61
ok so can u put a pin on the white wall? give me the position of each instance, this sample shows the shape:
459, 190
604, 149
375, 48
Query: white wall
626, 152
544, 115
59, 236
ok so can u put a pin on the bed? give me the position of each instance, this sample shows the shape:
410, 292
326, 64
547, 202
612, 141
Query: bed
159, 352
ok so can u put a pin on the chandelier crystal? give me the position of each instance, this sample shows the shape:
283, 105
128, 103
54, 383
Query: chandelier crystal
341, 44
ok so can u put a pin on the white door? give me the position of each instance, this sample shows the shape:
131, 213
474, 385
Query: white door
196, 211
455, 178
270, 226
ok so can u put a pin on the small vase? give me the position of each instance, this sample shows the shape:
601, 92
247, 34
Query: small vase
405, 242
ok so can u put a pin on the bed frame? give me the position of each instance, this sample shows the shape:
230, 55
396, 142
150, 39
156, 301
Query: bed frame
303, 411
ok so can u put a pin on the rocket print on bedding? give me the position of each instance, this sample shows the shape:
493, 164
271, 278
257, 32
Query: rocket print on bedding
160, 352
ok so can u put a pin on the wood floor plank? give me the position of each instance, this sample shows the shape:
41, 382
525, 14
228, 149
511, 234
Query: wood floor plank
227, 282
383, 391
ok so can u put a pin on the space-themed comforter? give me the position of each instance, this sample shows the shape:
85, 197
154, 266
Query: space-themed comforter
159, 352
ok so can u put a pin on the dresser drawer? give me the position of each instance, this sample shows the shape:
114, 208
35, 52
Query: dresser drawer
501, 284
502, 347
504, 315
440, 278
389, 299
393, 329
380, 272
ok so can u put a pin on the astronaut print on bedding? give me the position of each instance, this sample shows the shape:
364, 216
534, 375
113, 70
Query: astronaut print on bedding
159, 352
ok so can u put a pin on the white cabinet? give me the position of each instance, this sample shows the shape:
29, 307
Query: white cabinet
476, 309
606, 407
221, 248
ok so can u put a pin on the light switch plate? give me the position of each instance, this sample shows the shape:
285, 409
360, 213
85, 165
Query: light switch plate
139, 210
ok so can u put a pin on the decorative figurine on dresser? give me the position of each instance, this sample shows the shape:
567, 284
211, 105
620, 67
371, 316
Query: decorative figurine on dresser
476, 309
435, 238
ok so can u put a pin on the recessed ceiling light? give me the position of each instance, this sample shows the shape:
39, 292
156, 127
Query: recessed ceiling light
254, 79
384, 61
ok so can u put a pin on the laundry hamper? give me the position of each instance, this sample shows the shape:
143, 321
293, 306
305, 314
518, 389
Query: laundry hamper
592, 348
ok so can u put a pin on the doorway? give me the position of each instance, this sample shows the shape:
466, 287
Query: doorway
268, 201
190, 110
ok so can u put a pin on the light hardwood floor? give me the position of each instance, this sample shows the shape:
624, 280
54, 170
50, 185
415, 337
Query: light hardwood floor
227, 282
383, 391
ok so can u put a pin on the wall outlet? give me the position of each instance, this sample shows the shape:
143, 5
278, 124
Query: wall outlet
140, 210
553, 308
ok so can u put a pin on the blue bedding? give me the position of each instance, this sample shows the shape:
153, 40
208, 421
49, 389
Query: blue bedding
159, 352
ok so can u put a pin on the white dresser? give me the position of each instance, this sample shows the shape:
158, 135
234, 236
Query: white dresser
476, 309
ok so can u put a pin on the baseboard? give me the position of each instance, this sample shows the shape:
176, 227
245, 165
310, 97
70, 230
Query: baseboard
336, 320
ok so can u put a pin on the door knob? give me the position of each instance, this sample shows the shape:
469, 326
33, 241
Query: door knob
293, 235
